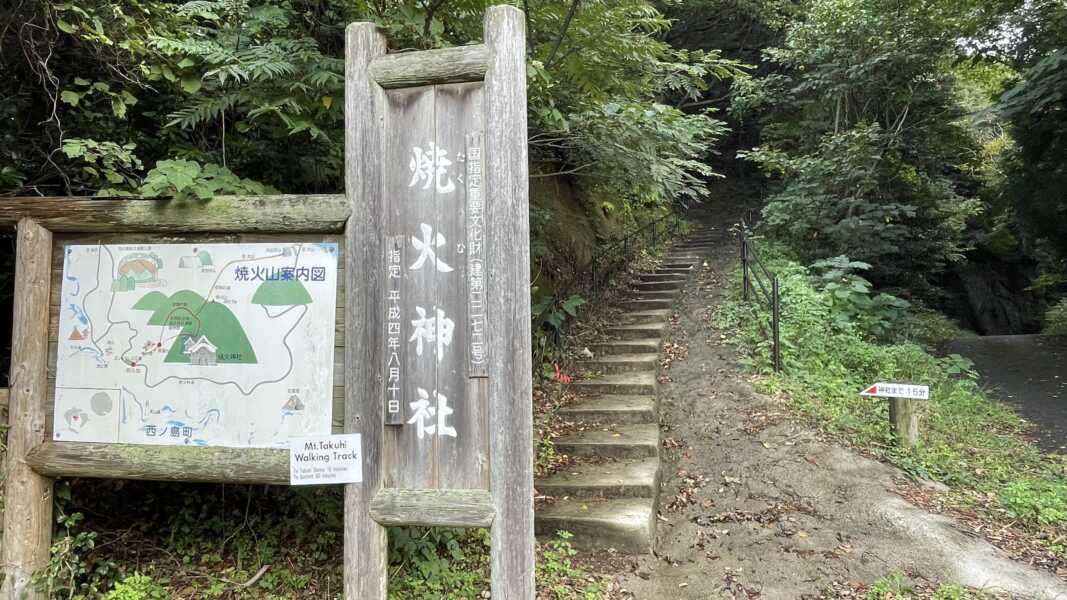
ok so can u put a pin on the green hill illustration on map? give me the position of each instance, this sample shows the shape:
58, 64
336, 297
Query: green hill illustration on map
199, 319
281, 293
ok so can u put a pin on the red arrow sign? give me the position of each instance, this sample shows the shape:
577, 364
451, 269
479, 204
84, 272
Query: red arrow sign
871, 391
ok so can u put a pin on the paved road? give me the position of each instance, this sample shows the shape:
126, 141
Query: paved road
1030, 371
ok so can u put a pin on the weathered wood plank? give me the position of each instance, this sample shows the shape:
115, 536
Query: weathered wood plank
161, 463
904, 420
446, 65
27, 495
510, 361
411, 206
433, 508
271, 214
365, 543
459, 110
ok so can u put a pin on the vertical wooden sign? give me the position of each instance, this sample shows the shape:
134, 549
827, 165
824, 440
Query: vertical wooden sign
438, 325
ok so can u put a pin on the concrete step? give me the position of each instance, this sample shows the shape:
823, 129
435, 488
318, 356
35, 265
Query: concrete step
655, 294
676, 263
666, 285
611, 409
625, 524
657, 315
621, 363
622, 383
647, 304
616, 347
631, 478
674, 273
637, 331
636, 440
656, 277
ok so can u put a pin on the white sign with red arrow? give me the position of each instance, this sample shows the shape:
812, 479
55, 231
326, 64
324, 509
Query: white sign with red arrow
898, 390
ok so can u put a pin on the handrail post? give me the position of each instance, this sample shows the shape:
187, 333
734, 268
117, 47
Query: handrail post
776, 317
744, 265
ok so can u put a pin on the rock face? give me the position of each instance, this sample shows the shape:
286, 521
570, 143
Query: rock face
992, 296
610, 498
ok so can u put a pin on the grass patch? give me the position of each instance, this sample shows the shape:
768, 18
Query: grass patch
968, 440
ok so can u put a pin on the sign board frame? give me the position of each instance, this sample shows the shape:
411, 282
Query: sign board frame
506, 503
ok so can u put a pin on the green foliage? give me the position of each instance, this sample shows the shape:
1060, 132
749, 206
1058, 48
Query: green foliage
184, 179
1037, 170
550, 315
1037, 501
438, 563
852, 302
105, 163
859, 131
560, 579
256, 86
71, 572
211, 540
967, 439
137, 587
894, 585
1056, 319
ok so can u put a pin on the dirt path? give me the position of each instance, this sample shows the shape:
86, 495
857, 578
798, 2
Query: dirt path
1030, 372
755, 504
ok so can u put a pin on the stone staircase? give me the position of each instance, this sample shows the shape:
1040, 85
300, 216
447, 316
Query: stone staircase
610, 498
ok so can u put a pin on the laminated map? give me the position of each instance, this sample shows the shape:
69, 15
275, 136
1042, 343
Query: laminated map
196, 344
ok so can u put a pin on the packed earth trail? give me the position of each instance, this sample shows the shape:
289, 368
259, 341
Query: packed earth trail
755, 503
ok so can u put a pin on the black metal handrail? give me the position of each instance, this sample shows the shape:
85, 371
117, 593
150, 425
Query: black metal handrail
654, 231
750, 256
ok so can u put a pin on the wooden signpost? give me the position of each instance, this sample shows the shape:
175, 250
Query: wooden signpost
904, 401
432, 364
439, 335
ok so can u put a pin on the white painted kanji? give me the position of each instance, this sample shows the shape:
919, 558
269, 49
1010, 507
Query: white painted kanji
430, 167
429, 419
435, 330
427, 249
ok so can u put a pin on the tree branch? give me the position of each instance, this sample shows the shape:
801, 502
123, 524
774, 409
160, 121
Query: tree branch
563, 31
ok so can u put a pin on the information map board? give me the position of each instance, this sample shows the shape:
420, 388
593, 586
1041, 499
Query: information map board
196, 344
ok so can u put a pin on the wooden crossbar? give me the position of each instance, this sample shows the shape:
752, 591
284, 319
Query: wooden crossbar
315, 213
447, 65
433, 508
161, 463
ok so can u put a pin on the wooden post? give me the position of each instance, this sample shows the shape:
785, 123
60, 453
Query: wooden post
510, 362
744, 265
27, 495
365, 543
904, 420
776, 324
